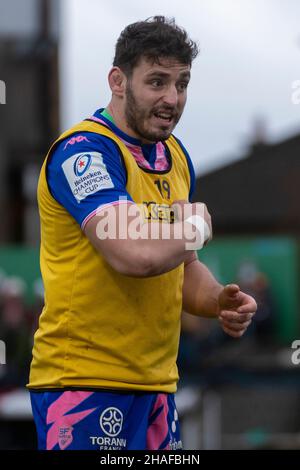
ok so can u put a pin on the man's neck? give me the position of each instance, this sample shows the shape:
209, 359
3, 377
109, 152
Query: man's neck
118, 118
107, 115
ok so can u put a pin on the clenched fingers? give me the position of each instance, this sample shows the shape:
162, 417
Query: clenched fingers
236, 326
234, 334
229, 315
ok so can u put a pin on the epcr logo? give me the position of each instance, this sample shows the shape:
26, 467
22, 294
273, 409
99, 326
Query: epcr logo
82, 164
111, 421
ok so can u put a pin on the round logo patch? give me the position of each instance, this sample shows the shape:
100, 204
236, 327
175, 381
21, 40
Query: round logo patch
111, 421
82, 164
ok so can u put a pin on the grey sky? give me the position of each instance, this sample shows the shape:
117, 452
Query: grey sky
250, 56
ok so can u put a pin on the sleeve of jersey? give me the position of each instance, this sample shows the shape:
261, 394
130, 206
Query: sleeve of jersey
191, 169
86, 172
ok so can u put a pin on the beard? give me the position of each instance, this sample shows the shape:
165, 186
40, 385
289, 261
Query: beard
137, 118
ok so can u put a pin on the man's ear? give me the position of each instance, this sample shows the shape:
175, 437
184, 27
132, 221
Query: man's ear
117, 81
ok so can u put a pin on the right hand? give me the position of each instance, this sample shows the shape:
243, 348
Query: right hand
184, 209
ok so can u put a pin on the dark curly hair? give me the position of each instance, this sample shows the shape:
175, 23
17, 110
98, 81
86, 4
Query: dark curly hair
156, 37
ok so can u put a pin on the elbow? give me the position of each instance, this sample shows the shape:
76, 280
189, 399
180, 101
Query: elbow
147, 266
139, 264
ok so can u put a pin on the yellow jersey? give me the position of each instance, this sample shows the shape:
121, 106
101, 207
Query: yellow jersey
99, 328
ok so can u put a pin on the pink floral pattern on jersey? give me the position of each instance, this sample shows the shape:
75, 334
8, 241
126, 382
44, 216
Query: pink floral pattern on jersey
161, 163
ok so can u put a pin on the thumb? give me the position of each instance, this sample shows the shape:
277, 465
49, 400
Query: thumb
231, 290
229, 297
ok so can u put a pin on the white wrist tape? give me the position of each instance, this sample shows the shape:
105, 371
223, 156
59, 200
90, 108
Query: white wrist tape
202, 227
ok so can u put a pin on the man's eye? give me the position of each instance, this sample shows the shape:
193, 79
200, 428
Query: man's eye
183, 85
156, 83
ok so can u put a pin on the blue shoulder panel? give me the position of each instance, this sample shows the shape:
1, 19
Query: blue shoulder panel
84, 172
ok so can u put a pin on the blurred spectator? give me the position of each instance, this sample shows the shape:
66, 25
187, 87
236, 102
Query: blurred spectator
14, 332
256, 283
2, 277
37, 306
202, 339
198, 339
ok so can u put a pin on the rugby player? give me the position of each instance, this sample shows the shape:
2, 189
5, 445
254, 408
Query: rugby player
104, 374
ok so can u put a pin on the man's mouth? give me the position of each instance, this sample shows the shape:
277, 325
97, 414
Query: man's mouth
164, 116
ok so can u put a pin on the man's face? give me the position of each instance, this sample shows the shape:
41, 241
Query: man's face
155, 98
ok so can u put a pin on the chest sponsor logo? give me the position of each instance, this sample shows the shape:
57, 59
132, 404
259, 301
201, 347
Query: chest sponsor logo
86, 174
160, 212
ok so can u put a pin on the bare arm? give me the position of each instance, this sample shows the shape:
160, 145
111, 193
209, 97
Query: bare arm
200, 290
160, 248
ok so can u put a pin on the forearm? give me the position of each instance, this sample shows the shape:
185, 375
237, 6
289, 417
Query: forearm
166, 246
200, 291
141, 249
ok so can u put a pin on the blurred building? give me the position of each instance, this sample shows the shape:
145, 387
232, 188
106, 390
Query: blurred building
254, 205
257, 194
29, 119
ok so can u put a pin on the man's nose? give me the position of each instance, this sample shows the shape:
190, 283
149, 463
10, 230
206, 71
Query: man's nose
171, 96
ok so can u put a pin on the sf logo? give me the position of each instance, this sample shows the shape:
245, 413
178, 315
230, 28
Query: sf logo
111, 421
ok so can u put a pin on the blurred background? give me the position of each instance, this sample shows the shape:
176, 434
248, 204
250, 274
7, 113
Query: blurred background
242, 129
